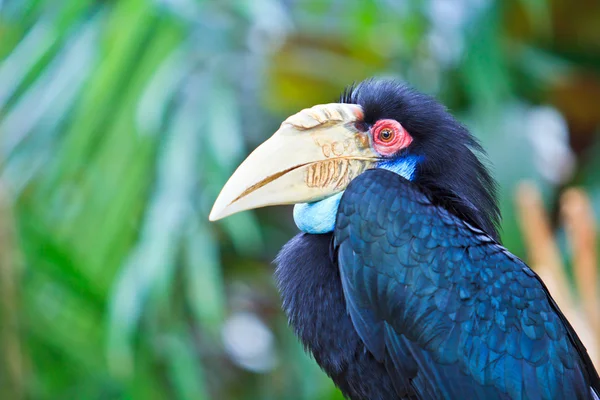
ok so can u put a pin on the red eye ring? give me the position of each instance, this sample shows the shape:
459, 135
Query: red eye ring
389, 136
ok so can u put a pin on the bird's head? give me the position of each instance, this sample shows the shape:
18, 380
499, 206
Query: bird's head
317, 152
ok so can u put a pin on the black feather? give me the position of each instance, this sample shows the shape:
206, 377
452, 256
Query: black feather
311, 290
451, 170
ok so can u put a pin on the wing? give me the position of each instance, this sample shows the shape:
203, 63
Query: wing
450, 312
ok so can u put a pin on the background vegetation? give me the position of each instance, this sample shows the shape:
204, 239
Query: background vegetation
120, 121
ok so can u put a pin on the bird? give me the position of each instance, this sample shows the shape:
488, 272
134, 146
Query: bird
397, 282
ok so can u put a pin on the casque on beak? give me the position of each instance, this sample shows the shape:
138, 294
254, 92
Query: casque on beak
314, 154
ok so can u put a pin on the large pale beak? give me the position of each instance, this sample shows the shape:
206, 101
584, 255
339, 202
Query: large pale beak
314, 154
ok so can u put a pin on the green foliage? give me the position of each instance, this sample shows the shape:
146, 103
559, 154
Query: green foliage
119, 123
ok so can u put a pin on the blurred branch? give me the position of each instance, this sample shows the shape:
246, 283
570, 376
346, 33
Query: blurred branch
10, 344
543, 252
578, 218
545, 258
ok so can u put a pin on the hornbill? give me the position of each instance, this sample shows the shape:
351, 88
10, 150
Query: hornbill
398, 283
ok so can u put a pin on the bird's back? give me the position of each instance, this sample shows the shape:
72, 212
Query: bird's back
450, 312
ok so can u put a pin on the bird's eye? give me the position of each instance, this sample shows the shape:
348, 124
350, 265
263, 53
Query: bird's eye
389, 136
386, 135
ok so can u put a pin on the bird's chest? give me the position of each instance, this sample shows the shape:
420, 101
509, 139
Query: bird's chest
313, 299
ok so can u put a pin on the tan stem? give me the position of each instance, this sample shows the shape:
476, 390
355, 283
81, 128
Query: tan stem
578, 218
543, 254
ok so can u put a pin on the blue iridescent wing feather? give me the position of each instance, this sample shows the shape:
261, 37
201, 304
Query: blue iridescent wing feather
451, 313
